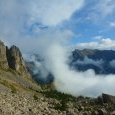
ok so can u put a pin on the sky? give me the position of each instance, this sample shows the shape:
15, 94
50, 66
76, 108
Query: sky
94, 21
89, 22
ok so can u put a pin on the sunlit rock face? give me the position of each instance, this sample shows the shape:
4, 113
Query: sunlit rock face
12, 58
3, 57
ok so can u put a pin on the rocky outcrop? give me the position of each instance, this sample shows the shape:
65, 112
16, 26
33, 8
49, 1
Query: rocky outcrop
15, 60
3, 57
12, 58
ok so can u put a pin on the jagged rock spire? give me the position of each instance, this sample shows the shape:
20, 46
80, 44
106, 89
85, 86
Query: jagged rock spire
3, 57
15, 59
12, 58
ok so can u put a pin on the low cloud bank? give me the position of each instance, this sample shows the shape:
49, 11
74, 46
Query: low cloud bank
87, 61
112, 63
70, 81
76, 83
102, 44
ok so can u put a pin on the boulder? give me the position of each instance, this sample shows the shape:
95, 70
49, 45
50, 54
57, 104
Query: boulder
94, 113
113, 113
102, 112
108, 98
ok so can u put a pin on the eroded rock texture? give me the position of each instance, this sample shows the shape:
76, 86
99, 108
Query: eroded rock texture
12, 58
15, 60
3, 57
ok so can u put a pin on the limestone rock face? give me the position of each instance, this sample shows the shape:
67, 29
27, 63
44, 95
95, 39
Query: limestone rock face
3, 57
12, 58
15, 60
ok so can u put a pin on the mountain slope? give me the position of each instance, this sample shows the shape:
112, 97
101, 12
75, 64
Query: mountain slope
13, 72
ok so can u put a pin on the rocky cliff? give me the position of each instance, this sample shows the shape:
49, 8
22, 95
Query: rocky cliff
15, 60
3, 57
12, 58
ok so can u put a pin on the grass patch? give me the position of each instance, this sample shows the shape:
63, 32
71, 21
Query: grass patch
61, 97
62, 106
9, 85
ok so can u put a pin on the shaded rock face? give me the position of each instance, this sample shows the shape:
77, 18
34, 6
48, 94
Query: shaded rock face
15, 60
3, 57
108, 98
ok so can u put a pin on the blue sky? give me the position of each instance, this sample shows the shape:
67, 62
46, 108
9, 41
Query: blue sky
93, 20
87, 20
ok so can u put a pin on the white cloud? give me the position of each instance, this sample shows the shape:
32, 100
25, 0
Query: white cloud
17, 17
105, 7
100, 10
98, 37
47, 12
53, 12
112, 24
87, 60
112, 63
100, 44
74, 82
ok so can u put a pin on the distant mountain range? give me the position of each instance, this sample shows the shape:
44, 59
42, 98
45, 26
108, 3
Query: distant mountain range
101, 61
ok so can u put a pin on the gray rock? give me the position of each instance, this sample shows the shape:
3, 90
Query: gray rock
86, 113
102, 112
113, 113
15, 60
3, 57
94, 113
12, 58
108, 98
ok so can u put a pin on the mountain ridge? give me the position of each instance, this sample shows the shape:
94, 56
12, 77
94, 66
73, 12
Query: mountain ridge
101, 61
